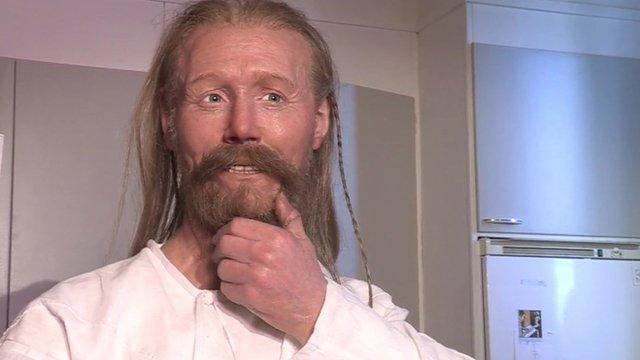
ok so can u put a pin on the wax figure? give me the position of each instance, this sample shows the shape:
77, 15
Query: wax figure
234, 253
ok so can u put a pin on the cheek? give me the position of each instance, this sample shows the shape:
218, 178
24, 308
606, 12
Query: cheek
196, 136
294, 141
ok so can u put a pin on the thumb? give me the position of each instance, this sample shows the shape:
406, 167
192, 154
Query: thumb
288, 216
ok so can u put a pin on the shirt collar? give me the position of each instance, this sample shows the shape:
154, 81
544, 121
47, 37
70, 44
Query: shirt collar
176, 274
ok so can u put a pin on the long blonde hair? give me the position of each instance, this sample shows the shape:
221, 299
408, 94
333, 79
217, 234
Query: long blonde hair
161, 212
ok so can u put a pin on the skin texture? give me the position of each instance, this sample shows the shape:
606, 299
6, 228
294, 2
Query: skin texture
251, 84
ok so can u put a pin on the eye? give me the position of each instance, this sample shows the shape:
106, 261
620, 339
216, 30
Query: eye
274, 98
213, 98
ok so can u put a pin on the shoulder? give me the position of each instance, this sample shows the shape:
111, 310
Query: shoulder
89, 296
41, 330
36, 333
382, 301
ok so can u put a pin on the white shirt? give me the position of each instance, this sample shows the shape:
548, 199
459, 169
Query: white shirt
143, 307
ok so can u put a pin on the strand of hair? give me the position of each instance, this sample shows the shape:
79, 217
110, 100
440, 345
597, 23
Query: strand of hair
347, 197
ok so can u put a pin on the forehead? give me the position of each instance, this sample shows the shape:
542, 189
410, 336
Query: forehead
233, 50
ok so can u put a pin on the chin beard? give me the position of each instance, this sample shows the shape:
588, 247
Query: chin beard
214, 207
209, 206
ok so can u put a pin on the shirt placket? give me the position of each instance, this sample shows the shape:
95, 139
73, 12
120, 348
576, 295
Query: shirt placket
212, 341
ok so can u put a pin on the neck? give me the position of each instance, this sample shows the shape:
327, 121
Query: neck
186, 252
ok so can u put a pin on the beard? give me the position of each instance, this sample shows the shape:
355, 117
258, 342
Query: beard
209, 205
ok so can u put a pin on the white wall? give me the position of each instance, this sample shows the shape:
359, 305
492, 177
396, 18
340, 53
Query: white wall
118, 34
371, 40
445, 217
383, 14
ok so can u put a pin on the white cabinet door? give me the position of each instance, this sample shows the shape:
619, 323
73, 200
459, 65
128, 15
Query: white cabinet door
557, 139
70, 130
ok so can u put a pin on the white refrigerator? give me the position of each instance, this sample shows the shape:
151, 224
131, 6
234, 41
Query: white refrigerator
561, 301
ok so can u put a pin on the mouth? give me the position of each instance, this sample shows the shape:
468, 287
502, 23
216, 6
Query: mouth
242, 169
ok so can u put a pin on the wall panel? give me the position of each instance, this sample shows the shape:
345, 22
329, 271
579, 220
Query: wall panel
379, 159
119, 34
384, 134
445, 184
7, 82
71, 124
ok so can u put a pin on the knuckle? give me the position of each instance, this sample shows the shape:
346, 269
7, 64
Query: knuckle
224, 268
228, 290
254, 253
261, 275
268, 257
225, 242
251, 294
222, 243
279, 239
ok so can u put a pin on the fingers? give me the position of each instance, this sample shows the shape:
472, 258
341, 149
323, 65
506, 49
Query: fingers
248, 229
234, 272
288, 216
232, 291
240, 294
232, 247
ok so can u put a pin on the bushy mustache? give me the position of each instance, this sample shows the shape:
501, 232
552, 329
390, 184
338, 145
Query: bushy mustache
260, 157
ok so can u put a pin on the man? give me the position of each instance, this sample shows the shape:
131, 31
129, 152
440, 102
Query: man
233, 131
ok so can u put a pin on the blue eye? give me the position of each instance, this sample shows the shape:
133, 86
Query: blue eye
214, 98
274, 98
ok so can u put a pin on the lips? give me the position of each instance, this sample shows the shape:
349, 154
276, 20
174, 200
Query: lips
243, 169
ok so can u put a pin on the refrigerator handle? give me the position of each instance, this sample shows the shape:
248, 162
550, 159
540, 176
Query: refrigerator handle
502, 221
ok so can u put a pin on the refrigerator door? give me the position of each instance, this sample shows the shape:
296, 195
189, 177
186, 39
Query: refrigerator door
559, 308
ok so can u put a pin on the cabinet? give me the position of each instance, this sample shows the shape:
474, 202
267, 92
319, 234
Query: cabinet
556, 142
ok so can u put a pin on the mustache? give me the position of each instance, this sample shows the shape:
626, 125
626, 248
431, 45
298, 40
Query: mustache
260, 157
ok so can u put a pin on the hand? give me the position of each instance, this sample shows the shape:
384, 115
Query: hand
272, 271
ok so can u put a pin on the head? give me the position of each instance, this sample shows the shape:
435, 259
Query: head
238, 106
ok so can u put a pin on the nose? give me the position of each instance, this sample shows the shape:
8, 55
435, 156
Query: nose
242, 124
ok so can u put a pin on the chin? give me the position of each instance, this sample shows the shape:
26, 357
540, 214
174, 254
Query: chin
226, 196
254, 202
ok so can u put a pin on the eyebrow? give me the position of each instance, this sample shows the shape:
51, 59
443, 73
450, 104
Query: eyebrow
201, 77
261, 77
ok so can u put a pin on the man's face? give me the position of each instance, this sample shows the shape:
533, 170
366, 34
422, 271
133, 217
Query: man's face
246, 85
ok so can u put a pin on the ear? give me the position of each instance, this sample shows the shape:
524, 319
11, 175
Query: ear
322, 124
169, 139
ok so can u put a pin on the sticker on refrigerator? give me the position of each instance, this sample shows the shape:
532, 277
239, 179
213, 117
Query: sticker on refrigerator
530, 324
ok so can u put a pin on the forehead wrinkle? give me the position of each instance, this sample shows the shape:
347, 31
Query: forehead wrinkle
290, 69
254, 74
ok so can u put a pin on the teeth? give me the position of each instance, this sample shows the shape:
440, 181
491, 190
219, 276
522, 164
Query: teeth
243, 169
